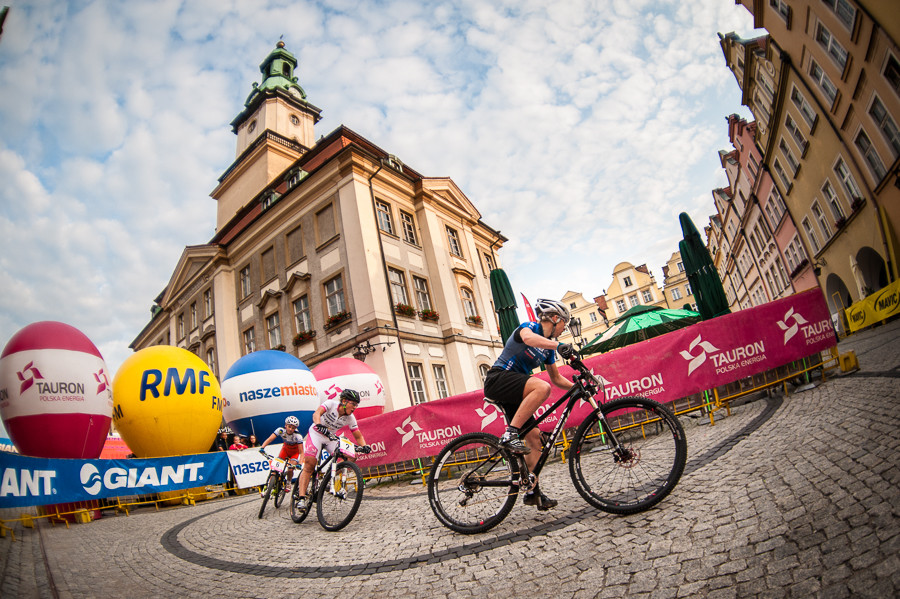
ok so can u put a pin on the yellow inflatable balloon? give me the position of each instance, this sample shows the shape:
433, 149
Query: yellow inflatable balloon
166, 402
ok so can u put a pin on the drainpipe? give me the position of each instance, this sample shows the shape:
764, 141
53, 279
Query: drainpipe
387, 281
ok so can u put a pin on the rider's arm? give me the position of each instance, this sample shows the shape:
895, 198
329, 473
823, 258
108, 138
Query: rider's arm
531, 338
557, 378
267, 441
317, 415
357, 434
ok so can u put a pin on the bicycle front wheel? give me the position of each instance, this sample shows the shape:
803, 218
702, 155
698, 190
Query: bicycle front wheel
470, 486
280, 490
640, 468
270, 486
336, 505
299, 515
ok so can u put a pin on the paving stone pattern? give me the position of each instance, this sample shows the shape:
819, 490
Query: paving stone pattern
793, 496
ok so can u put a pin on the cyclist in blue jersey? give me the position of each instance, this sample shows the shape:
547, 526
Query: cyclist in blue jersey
510, 384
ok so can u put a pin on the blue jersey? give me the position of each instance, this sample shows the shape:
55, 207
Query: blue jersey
518, 357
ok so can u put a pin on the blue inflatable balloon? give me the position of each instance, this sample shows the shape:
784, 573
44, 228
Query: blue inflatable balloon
263, 388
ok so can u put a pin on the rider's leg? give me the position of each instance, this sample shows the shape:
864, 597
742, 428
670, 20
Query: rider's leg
309, 464
536, 392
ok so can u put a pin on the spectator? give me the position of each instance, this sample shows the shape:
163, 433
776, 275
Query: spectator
238, 443
252, 442
221, 443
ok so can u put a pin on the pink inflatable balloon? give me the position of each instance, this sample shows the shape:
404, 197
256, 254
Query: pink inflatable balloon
55, 393
333, 376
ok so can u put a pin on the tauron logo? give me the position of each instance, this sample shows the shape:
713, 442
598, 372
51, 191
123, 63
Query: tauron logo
694, 362
407, 434
32, 372
487, 416
790, 330
102, 381
332, 392
379, 388
91, 479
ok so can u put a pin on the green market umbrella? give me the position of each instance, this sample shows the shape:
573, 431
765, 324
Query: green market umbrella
641, 323
701, 273
504, 303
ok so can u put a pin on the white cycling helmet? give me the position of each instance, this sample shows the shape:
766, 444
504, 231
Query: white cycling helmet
547, 307
292, 420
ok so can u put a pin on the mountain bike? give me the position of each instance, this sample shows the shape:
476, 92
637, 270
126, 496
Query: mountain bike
626, 456
277, 482
335, 486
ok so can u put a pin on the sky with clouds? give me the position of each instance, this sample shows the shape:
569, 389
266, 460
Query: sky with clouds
579, 129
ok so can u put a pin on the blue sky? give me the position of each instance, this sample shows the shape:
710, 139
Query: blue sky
579, 129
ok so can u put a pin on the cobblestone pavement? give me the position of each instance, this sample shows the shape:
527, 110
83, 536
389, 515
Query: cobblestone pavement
792, 496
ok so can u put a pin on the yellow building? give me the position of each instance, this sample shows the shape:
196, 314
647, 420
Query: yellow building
631, 286
593, 319
332, 248
824, 88
676, 287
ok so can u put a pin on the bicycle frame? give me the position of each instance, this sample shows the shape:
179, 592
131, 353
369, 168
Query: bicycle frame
330, 462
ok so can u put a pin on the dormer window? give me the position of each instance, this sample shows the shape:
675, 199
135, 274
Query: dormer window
268, 199
294, 177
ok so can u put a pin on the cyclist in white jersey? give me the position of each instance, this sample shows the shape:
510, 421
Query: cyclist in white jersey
329, 418
291, 441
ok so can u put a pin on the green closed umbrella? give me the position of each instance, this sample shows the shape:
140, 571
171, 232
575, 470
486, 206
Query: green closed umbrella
504, 303
701, 273
641, 323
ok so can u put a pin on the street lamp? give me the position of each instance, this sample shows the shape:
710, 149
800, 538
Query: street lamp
364, 349
575, 328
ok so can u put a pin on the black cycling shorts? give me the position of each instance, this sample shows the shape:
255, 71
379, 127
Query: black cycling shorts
507, 389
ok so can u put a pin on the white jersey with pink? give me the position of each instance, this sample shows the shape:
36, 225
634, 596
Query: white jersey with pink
333, 421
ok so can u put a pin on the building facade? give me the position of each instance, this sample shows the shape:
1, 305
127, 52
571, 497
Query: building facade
824, 89
593, 319
631, 286
676, 287
333, 248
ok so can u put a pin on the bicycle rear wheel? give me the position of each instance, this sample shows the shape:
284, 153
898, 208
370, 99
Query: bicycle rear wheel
336, 509
299, 515
477, 491
652, 458
270, 486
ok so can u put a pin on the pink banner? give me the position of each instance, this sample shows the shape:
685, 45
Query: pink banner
700, 357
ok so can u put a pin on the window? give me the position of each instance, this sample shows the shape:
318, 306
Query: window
779, 170
593, 316
468, 300
416, 383
824, 224
824, 83
782, 8
384, 218
409, 228
844, 11
193, 315
180, 321
892, 73
687, 289
483, 370
680, 266
627, 281
847, 180
268, 264
440, 381
453, 240
620, 306
245, 281
887, 125
249, 341
294, 246
334, 296
775, 207
207, 303
791, 125
789, 156
832, 200
803, 106
325, 224
676, 294
211, 361
794, 253
274, 330
398, 286
301, 314
811, 235
488, 263
837, 52
633, 299
422, 296
872, 159
297, 175
648, 297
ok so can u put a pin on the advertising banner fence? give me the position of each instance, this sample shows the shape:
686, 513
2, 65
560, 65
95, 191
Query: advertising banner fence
879, 306
30, 481
665, 368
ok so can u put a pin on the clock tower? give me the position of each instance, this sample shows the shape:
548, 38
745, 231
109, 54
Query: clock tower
273, 130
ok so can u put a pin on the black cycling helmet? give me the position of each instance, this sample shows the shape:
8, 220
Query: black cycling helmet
350, 395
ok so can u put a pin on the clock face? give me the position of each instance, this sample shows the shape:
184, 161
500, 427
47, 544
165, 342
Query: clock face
251, 127
294, 119
295, 92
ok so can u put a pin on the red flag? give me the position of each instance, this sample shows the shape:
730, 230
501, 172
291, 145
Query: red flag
528, 311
